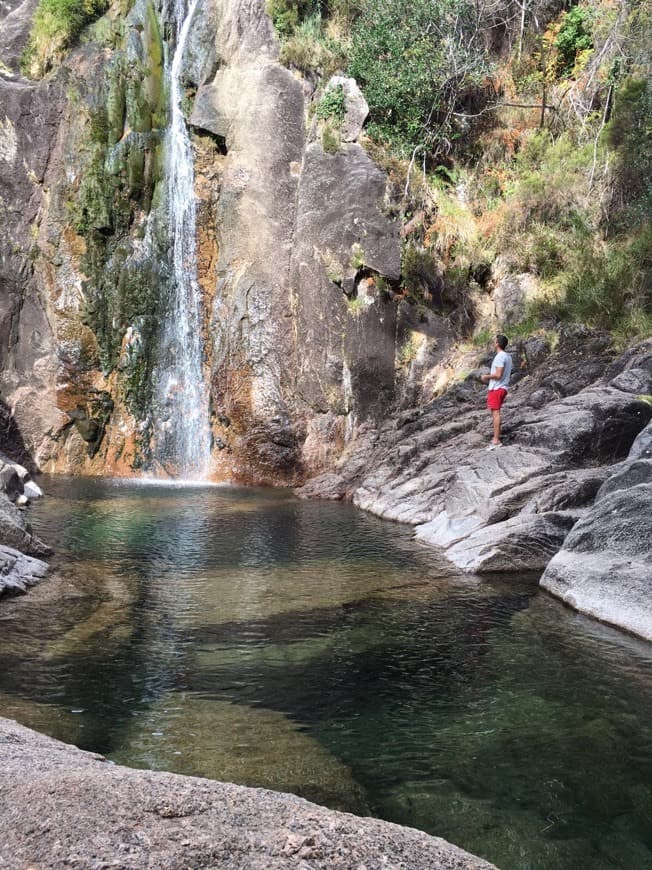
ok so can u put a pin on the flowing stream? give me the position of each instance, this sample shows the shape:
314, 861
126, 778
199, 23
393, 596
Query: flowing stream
182, 432
308, 647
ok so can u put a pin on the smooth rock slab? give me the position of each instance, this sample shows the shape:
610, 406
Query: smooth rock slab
605, 569
522, 543
60, 807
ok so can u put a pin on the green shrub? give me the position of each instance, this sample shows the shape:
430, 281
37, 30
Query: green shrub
310, 50
573, 39
330, 140
332, 105
56, 25
414, 59
286, 14
608, 286
629, 134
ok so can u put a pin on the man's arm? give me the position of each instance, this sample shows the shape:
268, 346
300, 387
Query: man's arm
496, 375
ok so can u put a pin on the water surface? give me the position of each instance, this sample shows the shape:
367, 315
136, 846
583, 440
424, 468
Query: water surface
306, 646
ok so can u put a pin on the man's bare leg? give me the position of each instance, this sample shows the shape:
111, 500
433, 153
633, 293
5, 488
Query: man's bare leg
496, 421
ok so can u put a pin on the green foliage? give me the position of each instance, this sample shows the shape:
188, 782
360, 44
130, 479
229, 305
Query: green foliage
310, 49
56, 25
408, 351
607, 286
286, 14
357, 256
419, 270
413, 60
332, 105
629, 134
574, 37
330, 140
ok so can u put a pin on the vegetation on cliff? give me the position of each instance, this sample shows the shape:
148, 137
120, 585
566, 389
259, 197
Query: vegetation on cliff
516, 134
56, 25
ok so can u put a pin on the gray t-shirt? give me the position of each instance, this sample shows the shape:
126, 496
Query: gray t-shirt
503, 359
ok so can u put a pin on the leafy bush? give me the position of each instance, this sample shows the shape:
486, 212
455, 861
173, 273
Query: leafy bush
332, 105
286, 14
630, 136
414, 59
574, 38
56, 25
310, 49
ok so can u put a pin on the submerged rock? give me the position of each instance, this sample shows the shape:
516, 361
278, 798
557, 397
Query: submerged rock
182, 733
86, 811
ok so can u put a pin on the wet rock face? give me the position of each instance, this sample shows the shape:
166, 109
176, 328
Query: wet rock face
28, 131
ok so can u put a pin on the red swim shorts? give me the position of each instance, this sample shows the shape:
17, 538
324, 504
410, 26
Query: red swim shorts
495, 398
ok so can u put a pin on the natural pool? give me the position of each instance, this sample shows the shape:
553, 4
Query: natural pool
308, 647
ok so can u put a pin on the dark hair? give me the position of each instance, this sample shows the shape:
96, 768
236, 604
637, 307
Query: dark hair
501, 341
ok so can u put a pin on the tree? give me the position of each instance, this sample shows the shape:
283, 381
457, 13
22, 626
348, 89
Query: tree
415, 60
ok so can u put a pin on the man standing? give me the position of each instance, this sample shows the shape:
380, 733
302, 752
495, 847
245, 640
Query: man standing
498, 380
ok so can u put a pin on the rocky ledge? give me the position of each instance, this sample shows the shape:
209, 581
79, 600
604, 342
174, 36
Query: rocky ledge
61, 807
19, 569
564, 477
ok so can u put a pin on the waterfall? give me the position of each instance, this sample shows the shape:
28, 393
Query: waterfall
182, 435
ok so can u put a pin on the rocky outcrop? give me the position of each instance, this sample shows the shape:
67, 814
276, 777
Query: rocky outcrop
61, 806
18, 544
604, 567
565, 436
18, 572
29, 127
16, 19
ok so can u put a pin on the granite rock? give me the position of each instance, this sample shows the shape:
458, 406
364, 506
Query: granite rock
587, 445
61, 806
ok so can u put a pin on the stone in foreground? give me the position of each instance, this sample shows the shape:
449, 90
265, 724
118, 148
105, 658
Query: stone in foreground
61, 807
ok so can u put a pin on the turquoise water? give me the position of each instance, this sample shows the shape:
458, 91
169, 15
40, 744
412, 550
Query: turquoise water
306, 646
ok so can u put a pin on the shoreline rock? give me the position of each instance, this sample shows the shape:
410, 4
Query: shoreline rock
19, 569
564, 469
604, 567
60, 806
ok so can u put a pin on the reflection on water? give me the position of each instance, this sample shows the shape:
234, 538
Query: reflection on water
248, 636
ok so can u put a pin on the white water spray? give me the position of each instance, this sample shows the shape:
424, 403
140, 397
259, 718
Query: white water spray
182, 433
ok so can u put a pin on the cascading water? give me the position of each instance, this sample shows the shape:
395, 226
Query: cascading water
182, 435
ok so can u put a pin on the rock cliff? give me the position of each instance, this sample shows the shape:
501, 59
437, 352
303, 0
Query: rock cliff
19, 569
297, 250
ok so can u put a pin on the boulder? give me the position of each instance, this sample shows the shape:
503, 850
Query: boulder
61, 806
18, 572
356, 108
16, 532
511, 509
521, 544
604, 568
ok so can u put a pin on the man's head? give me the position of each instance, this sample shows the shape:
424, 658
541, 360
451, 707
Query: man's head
501, 341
